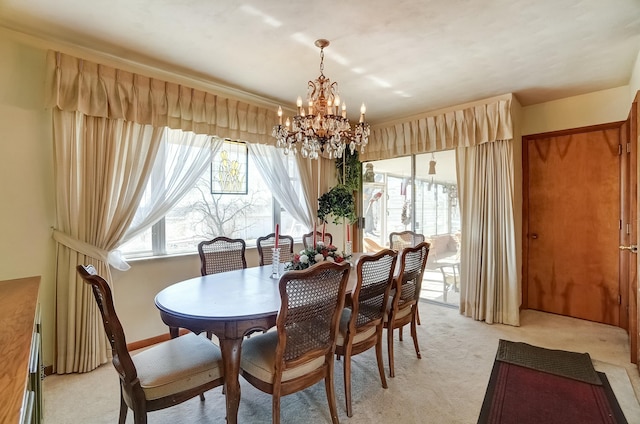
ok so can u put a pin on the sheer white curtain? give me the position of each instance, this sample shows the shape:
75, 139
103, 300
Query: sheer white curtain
490, 288
101, 168
272, 165
182, 158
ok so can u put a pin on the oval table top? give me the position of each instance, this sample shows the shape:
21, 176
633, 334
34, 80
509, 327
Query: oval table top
247, 293
244, 293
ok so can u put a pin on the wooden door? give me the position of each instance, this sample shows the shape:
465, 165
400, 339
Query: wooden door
572, 223
629, 260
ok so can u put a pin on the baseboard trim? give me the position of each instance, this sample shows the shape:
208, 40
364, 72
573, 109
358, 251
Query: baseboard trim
48, 370
151, 341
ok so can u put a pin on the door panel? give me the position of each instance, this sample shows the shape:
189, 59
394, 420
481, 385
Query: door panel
631, 236
573, 205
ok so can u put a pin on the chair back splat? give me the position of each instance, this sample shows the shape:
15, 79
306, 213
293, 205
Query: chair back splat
222, 254
307, 239
400, 240
161, 376
300, 353
267, 243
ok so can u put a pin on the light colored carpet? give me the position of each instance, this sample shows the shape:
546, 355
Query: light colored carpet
446, 386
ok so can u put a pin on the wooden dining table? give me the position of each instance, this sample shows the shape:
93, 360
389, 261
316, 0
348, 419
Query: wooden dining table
230, 305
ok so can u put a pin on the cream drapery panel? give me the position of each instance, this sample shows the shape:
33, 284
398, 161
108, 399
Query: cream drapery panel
466, 127
490, 288
314, 178
103, 91
101, 168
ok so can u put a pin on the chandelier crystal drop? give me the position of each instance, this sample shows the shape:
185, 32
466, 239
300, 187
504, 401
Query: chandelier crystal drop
323, 129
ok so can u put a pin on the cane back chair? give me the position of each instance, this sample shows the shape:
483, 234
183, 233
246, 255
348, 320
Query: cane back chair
222, 254
361, 324
300, 353
267, 243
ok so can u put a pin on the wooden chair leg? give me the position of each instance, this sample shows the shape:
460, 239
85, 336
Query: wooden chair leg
390, 349
331, 394
139, 416
383, 379
347, 382
275, 408
123, 409
414, 333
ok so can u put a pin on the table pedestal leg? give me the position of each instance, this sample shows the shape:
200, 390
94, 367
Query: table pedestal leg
230, 349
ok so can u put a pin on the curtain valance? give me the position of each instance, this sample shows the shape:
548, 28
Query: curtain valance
466, 127
102, 91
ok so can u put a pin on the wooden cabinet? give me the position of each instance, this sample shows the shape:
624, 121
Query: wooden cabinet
20, 352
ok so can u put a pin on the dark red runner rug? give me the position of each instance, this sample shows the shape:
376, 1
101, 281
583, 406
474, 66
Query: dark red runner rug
522, 395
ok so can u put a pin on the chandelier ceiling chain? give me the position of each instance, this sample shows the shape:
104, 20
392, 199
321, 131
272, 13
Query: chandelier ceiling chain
323, 129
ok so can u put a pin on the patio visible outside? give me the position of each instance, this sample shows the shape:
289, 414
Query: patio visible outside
398, 196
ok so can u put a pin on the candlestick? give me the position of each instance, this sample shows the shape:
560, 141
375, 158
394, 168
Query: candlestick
348, 250
314, 235
275, 263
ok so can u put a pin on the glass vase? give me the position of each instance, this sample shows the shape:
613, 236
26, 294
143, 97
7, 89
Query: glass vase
275, 262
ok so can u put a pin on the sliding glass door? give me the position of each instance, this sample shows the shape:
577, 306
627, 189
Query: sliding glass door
417, 193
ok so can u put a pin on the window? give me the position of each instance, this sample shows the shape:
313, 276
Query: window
203, 213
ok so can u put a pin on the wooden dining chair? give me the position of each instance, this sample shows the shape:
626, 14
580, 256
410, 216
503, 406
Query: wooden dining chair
161, 376
361, 324
266, 243
300, 353
222, 254
307, 239
402, 239
403, 306
371, 246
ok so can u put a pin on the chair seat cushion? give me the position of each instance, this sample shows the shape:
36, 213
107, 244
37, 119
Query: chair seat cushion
178, 364
402, 312
344, 326
259, 355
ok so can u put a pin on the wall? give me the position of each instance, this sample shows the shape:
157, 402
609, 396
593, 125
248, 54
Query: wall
599, 107
26, 177
634, 81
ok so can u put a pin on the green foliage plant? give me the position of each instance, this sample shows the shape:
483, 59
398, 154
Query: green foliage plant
339, 203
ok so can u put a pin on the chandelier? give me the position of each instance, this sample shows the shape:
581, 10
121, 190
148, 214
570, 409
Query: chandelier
322, 129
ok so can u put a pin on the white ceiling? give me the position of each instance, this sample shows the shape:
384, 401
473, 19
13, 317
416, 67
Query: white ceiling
400, 57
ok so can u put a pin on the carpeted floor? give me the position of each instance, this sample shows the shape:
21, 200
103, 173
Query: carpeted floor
446, 386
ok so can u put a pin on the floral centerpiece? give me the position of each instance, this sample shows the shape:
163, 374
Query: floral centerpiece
311, 256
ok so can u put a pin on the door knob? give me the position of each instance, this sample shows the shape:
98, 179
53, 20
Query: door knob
633, 248
534, 236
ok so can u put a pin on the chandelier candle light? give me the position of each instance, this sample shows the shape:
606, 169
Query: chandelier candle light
323, 129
